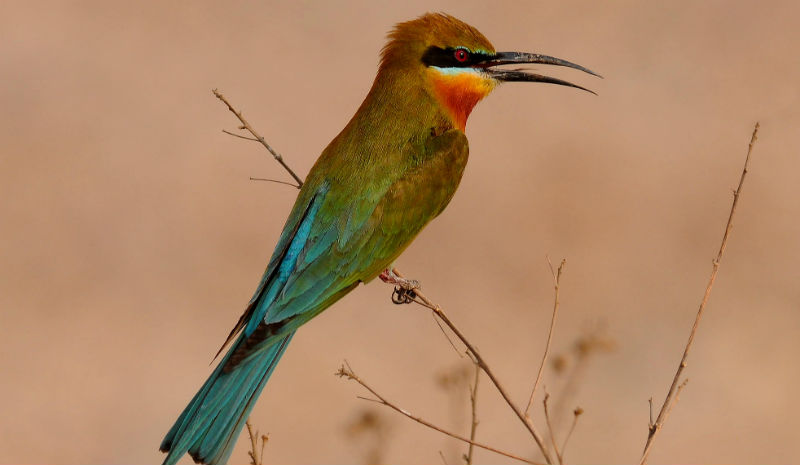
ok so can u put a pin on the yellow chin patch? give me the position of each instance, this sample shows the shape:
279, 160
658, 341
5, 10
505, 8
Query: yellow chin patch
459, 90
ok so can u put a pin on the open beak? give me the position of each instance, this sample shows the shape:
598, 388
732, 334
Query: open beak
512, 58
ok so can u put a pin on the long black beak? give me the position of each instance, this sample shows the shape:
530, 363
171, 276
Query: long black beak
510, 58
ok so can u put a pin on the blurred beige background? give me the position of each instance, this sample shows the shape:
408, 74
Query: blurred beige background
131, 237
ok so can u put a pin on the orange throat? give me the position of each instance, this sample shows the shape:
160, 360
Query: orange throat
459, 92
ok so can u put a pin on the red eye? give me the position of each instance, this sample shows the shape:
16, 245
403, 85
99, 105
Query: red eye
461, 55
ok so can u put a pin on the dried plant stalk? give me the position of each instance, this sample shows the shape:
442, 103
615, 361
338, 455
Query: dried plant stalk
656, 426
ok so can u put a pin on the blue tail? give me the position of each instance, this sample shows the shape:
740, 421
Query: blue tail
208, 427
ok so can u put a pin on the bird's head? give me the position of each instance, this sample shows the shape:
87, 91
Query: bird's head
457, 64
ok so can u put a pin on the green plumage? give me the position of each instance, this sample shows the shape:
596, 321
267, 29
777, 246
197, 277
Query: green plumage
391, 170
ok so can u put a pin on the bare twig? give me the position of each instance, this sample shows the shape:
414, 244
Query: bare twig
677, 398
473, 400
264, 439
550, 428
347, 372
239, 136
447, 336
273, 180
666, 406
253, 443
246, 125
255, 457
421, 299
575, 414
369, 399
556, 285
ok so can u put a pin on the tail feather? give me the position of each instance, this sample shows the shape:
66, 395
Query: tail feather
208, 427
219, 450
221, 425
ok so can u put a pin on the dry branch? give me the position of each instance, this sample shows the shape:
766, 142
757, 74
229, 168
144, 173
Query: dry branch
258, 137
575, 414
550, 428
419, 298
656, 426
473, 400
256, 457
273, 180
346, 372
556, 285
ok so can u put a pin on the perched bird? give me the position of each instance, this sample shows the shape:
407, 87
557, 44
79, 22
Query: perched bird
391, 170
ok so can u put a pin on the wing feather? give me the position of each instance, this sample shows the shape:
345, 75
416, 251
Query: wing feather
348, 233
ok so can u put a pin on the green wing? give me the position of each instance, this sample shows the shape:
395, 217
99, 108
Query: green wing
347, 228
359, 235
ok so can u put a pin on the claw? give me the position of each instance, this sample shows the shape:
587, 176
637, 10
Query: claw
403, 288
402, 296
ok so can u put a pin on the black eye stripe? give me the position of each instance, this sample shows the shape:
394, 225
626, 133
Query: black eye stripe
446, 58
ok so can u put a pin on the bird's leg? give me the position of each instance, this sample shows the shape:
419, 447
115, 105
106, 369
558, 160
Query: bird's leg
389, 277
404, 288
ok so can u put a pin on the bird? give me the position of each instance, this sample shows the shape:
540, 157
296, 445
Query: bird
393, 168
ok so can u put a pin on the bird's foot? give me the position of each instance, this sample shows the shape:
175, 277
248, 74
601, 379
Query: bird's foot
389, 277
404, 288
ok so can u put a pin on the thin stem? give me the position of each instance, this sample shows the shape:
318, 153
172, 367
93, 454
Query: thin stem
447, 336
239, 136
246, 125
254, 460
273, 180
575, 414
264, 439
347, 372
550, 428
666, 406
253, 444
473, 400
526, 421
677, 397
556, 285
